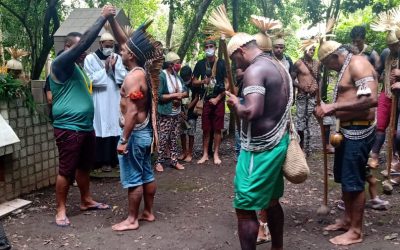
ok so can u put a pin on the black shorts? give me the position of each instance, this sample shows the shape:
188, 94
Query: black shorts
351, 159
76, 150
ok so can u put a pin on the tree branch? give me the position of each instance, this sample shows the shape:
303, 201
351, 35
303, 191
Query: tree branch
21, 19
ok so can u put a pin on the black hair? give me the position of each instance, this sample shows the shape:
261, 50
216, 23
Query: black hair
358, 32
186, 73
70, 36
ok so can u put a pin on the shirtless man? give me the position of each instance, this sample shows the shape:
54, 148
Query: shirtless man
357, 36
354, 102
307, 72
134, 147
264, 140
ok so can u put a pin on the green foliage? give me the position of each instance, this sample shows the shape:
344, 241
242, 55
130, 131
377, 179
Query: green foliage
12, 89
360, 17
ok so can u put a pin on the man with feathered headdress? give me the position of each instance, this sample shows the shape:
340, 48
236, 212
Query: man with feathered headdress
306, 76
142, 56
106, 71
354, 102
278, 52
267, 91
386, 22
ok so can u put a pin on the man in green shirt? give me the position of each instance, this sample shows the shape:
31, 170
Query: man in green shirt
73, 118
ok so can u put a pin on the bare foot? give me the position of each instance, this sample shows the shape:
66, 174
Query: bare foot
203, 159
348, 238
339, 225
179, 166
182, 157
217, 160
188, 158
159, 168
146, 216
126, 225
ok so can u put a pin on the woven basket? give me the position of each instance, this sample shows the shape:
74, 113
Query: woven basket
295, 168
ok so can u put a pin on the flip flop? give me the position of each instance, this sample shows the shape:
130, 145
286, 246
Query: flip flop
392, 172
64, 222
97, 206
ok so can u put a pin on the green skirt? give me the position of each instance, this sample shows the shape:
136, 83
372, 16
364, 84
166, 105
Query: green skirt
259, 177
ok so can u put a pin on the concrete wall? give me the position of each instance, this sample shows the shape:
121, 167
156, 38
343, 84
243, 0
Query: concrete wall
34, 161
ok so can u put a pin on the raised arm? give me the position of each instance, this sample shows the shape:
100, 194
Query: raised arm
63, 66
119, 34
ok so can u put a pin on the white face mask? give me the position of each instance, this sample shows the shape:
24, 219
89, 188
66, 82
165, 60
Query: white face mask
210, 52
107, 51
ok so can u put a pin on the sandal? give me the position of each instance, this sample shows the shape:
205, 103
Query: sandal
266, 235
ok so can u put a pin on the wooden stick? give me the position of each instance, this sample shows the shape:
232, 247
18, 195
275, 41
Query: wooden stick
324, 143
233, 118
392, 129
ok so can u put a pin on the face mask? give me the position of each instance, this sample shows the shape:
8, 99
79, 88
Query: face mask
177, 67
107, 51
210, 52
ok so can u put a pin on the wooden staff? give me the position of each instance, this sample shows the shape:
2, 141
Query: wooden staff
224, 49
387, 185
323, 209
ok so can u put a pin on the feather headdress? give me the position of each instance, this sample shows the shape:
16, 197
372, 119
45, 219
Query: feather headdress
264, 25
306, 44
16, 55
107, 36
389, 22
128, 30
221, 24
279, 37
327, 47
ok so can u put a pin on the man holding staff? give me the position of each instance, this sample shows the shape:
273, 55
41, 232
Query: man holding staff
354, 102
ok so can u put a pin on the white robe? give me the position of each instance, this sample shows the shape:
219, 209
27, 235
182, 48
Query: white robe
106, 95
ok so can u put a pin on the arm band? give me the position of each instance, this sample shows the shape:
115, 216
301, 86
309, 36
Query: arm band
254, 89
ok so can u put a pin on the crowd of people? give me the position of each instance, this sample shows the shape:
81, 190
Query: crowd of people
112, 107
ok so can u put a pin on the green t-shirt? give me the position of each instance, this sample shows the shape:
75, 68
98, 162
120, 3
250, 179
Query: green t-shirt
72, 103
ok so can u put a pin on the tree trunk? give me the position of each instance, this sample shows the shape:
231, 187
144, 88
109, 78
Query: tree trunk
192, 28
235, 14
50, 21
171, 19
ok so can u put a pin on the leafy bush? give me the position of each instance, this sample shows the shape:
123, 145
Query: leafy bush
12, 89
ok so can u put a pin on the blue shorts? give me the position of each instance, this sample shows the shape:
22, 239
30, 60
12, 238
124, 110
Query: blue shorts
135, 166
351, 159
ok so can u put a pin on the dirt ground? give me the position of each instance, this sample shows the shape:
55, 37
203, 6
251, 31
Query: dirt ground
194, 211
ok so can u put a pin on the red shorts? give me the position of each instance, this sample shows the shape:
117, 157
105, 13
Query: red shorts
212, 118
76, 150
383, 112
